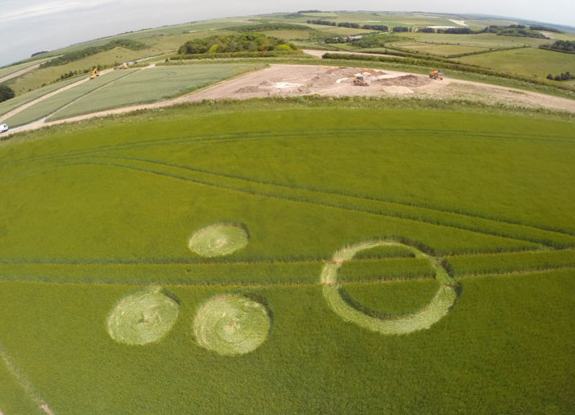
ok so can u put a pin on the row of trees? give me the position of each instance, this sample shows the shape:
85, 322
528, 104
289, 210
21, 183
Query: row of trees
563, 77
245, 42
382, 28
511, 30
562, 46
93, 50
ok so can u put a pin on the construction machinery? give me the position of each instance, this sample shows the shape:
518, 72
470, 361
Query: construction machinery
95, 73
359, 80
436, 74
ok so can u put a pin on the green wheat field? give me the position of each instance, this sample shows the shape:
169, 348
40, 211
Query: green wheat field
306, 256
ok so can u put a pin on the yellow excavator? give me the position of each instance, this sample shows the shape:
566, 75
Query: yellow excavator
436, 74
359, 80
95, 73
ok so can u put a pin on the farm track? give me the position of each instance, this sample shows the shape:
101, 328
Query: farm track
42, 98
188, 281
19, 73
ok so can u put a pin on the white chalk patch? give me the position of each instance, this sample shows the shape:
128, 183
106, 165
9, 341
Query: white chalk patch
286, 85
458, 22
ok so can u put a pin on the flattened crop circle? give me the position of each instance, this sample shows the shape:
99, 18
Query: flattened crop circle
143, 317
218, 240
439, 306
232, 324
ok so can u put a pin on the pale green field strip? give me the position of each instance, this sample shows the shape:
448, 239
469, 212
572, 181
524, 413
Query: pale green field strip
485, 40
438, 49
340, 201
154, 84
20, 100
238, 272
53, 104
527, 61
9, 70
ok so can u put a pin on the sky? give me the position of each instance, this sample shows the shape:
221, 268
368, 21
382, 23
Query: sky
29, 26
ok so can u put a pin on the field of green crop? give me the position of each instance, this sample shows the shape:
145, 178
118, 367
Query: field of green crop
9, 70
254, 258
484, 40
528, 61
154, 84
11, 104
437, 49
62, 99
122, 88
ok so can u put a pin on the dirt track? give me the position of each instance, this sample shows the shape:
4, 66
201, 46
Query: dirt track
296, 80
19, 73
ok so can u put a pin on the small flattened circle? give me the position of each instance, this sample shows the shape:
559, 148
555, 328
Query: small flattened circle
143, 317
220, 239
232, 324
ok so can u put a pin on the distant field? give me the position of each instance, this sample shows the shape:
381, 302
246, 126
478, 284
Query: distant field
437, 49
9, 70
527, 62
95, 213
154, 84
288, 34
486, 40
122, 88
51, 74
60, 100
20, 100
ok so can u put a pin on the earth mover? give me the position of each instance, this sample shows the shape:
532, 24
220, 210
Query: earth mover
436, 74
95, 73
360, 81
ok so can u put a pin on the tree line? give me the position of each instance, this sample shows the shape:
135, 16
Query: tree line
93, 50
245, 42
562, 77
382, 28
561, 46
6, 93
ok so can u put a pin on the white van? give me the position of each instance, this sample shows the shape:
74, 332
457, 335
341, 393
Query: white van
3, 128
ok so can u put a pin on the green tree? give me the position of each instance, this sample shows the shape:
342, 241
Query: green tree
6, 93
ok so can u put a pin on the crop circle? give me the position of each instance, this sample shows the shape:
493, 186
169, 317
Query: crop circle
219, 240
143, 317
439, 306
232, 324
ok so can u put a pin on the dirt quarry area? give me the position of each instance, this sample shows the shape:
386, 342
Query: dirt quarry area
296, 80
339, 81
